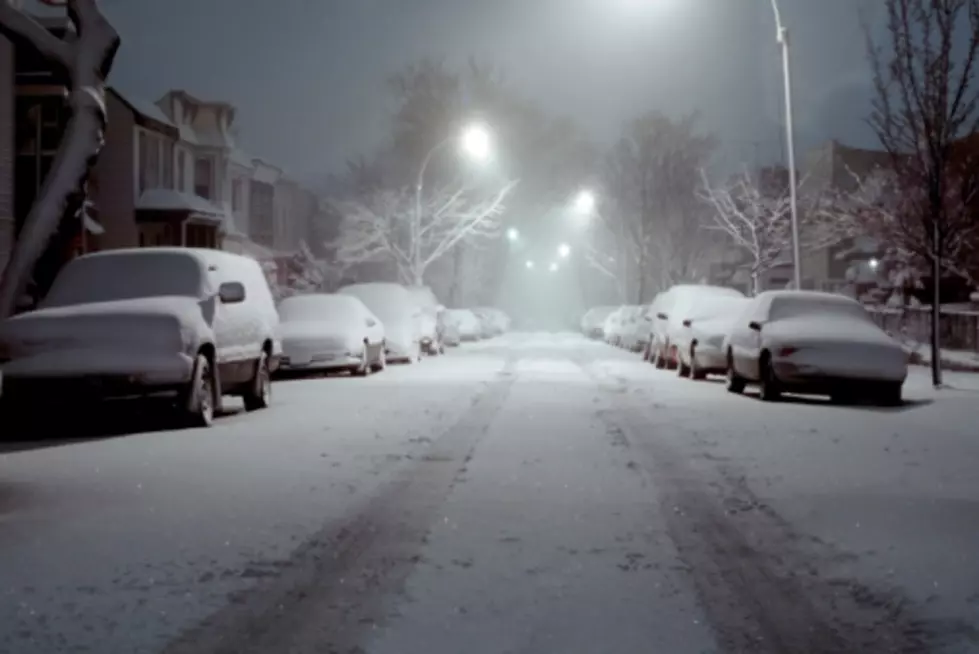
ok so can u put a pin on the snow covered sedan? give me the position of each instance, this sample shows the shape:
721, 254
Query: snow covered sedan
451, 336
186, 322
669, 310
814, 343
593, 322
400, 314
634, 331
467, 324
612, 328
431, 336
330, 332
700, 344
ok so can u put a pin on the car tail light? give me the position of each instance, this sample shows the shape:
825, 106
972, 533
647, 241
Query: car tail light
787, 351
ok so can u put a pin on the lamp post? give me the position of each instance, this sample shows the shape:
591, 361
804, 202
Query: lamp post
476, 143
783, 41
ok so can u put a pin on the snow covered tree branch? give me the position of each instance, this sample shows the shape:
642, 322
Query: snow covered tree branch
87, 57
379, 227
757, 218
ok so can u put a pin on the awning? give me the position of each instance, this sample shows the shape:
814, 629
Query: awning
165, 199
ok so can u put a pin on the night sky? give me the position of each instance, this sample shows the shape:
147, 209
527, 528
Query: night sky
308, 76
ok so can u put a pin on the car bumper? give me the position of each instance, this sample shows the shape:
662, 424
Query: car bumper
107, 372
814, 379
710, 359
318, 362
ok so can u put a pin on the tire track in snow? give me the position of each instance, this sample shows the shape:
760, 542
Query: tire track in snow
330, 593
761, 591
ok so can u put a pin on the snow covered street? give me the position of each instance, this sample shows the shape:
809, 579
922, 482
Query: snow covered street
531, 493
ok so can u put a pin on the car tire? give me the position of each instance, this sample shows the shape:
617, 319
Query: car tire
382, 360
259, 394
889, 395
735, 382
769, 388
659, 360
695, 372
682, 369
198, 402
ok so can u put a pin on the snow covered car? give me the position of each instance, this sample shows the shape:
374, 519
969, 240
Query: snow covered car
192, 323
488, 322
668, 310
466, 322
700, 344
811, 342
612, 329
593, 322
634, 331
400, 314
330, 332
451, 335
430, 310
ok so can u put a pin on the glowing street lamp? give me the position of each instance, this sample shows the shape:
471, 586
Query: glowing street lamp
530, 265
477, 143
553, 267
874, 264
564, 250
512, 234
585, 202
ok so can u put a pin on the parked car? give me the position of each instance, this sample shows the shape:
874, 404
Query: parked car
700, 344
496, 321
810, 342
190, 323
399, 313
612, 328
431, 336
330, 332
668, 311
487, 322
451, 335
593, 322
466, 322
634, 331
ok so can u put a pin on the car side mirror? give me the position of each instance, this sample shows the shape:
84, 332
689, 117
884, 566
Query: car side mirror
662, 316
687, 323
754, 325
231, 293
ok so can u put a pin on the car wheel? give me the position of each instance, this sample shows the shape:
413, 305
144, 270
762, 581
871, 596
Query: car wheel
382, 360
889, 395
695, 372
259, 395
769, 389
682, 369
659, 360
735, 382
198, 401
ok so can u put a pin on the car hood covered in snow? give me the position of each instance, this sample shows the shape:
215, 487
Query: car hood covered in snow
164, 322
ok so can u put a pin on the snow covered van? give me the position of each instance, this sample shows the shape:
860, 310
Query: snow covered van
194, 323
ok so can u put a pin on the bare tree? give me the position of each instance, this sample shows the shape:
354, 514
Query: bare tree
925, 105
87, 58
655, 216
754, 211
378, 228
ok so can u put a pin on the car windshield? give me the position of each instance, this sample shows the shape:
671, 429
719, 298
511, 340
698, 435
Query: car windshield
318, 308
801, 307
105, 278
391, 303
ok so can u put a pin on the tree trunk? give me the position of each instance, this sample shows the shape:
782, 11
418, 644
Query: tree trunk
88, 59
755, 282
936, 314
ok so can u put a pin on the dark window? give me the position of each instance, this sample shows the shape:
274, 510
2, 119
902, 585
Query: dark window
203, 177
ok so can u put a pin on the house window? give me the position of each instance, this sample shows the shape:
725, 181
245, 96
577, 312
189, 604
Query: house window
201, 236
203, 177
166, 163
236, 189
181, 184
150, 153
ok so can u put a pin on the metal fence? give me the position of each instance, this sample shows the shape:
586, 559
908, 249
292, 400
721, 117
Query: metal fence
959, 329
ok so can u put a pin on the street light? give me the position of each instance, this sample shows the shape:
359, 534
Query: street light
564, 250
585, 203
530, 265
512, 234
553, 267
476, 143
874, 264
783, 40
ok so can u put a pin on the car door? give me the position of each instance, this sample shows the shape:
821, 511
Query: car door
750, 339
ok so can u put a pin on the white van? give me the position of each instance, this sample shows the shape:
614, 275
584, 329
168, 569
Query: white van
194, 323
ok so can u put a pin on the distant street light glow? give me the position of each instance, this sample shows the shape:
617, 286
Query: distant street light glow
512, 234
564, 250
476, 142
530, 265
585, 203
553, 267
874, 264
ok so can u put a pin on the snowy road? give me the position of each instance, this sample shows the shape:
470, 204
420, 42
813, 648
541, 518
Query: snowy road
536, 493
